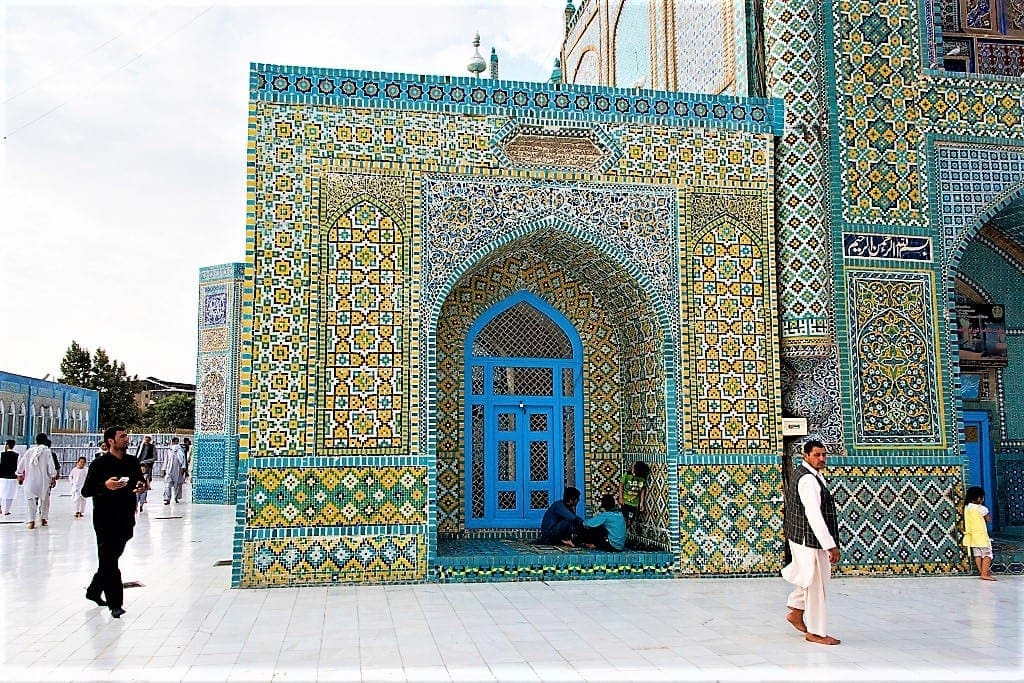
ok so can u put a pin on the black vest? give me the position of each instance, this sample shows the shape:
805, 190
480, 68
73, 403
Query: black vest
795, 525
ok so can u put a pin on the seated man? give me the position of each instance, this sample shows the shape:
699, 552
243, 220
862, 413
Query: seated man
607, 529
561, 522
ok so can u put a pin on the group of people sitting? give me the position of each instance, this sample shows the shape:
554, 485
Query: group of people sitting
607, 529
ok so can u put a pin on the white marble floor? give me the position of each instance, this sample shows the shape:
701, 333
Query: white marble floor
185, 623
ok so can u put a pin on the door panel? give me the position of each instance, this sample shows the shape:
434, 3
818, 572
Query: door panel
978, 453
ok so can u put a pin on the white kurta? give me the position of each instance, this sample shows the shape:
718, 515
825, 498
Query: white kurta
810, 569
175, 465
76, 477
36, 464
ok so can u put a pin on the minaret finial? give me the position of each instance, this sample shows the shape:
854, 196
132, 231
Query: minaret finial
494, 64
476, 65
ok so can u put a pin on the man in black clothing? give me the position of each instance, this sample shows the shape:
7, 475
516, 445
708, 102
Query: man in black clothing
8, 478
112, 482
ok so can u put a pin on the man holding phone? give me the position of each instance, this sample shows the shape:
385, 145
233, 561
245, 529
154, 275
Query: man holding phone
112, 482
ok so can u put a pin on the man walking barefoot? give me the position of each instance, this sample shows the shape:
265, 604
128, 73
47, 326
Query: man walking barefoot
811, 529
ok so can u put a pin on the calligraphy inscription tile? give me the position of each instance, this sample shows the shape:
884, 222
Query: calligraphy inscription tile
893, 247
547, 150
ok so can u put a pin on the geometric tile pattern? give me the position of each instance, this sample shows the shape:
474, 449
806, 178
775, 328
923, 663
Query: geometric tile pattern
380, 226
463, 213
362, 398
369, 89
215, 451
801, 193
733, 390
331, 560
892, 328
888, 109
479, 560
1010, 475
730, 519
705, 44
336, 496
970, 179
900, 520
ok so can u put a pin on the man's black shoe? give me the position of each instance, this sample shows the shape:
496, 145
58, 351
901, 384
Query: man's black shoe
116, 612
97, 599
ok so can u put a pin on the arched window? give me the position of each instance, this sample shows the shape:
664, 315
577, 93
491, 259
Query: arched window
23, 430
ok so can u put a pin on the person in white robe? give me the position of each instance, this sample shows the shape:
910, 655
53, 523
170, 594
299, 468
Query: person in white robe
811, 529
38, 476
174, 472
76, 477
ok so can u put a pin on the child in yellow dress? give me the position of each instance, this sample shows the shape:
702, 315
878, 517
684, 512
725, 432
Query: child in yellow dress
976, 517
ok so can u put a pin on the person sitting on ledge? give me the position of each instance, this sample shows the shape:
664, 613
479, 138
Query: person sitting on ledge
561, 522
607, 529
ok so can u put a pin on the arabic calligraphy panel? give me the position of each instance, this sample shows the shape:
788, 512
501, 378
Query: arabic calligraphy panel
893, 247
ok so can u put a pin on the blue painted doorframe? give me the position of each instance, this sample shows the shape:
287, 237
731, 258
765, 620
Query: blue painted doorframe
526, 438
978, 452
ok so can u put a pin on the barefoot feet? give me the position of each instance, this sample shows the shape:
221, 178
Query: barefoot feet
796, 618
988, 578
821, 640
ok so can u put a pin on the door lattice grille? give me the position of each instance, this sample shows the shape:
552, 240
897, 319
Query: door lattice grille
522, 332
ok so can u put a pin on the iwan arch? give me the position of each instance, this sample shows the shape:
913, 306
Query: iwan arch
462, 294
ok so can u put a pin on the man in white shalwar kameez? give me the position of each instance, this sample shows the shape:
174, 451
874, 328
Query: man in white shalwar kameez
38, 475
174, 472
811, 529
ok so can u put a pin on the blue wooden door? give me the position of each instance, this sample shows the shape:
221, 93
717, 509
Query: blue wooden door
978, 453
523, 382
519, 461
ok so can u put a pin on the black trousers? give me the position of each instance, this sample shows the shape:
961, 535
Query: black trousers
596, 535
107, 579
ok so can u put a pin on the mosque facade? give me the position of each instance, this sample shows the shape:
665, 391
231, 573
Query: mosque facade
30, 406
462, 294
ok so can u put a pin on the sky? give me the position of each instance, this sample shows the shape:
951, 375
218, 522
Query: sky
124, 139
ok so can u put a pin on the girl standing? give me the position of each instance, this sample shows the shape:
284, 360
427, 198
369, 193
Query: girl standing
976, 517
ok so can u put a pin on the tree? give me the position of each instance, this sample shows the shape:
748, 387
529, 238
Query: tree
76, 368
117, 391
170, 413
108, 377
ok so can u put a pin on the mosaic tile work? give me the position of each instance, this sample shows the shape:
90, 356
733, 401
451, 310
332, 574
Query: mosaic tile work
1010, 475
372, 89
970, 179
730, 519
215, 450
888, 108
362, 400
896, 398
801, 194
512, 560
898, 520
593, 292
895, 520
334, 559
336, 496
813, 392
734, 385
705, 46
417, 204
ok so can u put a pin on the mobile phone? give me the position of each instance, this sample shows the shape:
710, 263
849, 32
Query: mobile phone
123, 480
